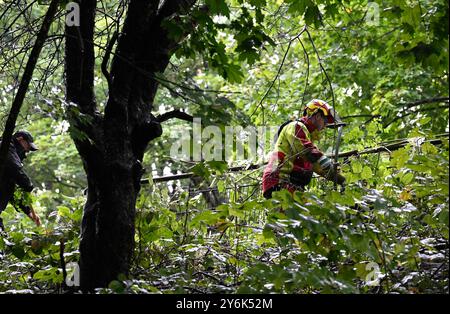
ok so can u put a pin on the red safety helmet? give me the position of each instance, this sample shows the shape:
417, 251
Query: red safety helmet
328, 111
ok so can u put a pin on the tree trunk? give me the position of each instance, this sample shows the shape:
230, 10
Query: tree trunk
112, 145
107, 238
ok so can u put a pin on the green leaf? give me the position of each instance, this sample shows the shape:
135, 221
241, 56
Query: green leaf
429, 148
312, 15
332, 10
221, 186
116, 286
200, 170
236, 211
400, 157
268, 233
407, 177
297, 6
411, 15
208, 217
218, 7
366, 173
357, 166
250, 55
50, 274
219, 166
18, 251
63, 211
233, 73
258, 3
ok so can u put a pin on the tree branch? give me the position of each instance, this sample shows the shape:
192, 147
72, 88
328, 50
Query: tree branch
424, 101
80, 59
62, 261
361, 116
175, 114
382, 148
413, 112
278, 72
106, 59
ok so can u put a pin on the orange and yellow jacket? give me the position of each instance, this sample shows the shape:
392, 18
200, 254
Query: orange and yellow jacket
294, 159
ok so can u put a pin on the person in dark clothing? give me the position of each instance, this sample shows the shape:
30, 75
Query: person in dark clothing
14, 175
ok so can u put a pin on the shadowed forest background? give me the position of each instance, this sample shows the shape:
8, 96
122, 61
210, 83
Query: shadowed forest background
109, 98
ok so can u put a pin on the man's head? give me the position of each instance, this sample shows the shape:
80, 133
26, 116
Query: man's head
25, 139
320, 113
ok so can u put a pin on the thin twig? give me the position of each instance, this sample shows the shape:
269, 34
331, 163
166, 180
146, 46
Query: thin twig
278, 72
305, 52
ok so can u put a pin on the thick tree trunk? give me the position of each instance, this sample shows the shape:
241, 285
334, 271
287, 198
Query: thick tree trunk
112, 146
107, 231
107, 238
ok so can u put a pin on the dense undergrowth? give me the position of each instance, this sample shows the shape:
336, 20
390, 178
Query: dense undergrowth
386, 233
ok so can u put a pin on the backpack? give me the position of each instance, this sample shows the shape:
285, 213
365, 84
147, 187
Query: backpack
282, 127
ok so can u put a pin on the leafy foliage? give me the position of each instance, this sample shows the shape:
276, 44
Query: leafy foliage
215, 232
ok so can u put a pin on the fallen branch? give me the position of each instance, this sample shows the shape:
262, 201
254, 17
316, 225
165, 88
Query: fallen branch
384, 148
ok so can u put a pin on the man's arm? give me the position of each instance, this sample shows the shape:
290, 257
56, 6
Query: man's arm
23, 181
15, 169
23, 200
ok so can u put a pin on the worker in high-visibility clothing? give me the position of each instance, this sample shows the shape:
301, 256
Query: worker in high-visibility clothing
295, 158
